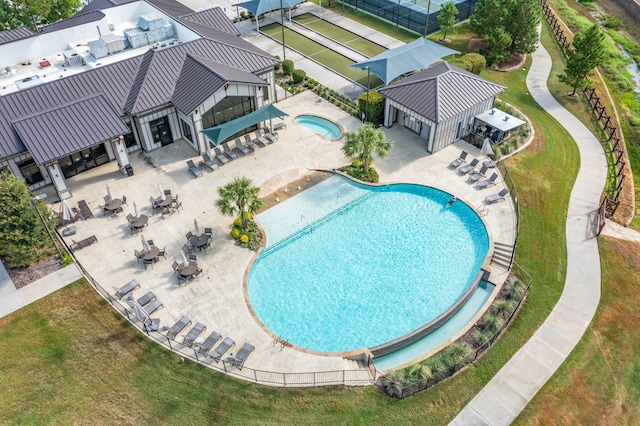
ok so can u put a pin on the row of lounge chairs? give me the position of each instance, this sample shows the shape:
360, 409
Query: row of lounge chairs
206, 348
475, 176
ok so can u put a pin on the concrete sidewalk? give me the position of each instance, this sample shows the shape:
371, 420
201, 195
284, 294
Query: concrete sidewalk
506, 395
12, 299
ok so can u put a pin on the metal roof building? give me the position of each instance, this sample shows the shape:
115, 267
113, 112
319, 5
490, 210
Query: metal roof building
88, 95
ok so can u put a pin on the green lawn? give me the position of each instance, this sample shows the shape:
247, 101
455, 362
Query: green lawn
339, 34
329, 58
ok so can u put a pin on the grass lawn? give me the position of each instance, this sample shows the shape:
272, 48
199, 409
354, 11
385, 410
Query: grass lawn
339, 34
329, 58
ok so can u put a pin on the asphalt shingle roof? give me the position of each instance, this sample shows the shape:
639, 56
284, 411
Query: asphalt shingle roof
441, 91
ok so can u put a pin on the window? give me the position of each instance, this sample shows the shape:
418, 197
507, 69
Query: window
30, 172
186, 130
129, 138
229, 109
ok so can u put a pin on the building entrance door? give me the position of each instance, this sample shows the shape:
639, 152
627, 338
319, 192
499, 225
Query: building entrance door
161, 131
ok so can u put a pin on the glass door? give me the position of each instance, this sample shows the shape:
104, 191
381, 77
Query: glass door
161, 131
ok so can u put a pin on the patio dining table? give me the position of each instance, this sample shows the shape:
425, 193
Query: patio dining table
113, 205
199, 241
152, 253
166, 202
189, 270
140, 222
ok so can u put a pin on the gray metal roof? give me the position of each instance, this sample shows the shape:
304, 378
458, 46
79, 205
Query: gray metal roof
102, 4
170, 7
200, 77
55, 133
213, 18
77, 19
15, 34
441, 91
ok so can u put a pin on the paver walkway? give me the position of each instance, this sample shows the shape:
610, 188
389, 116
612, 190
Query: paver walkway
504, 397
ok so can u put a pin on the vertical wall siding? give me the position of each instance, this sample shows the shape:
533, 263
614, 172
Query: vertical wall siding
446, 131
147, 138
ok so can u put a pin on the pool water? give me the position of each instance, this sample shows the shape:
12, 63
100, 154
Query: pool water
361, 266
325, 128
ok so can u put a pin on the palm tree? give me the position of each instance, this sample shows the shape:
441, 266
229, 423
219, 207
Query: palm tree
364, 142
239, 197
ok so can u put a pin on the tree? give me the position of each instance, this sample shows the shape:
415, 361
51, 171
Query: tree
239, 197
364, 142
8, 19
522, 24
24, 238
499, 42
587, 54
29, 12
447, 18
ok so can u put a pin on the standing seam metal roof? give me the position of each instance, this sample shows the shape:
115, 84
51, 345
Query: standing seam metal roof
441, 91
213, 18
99, 122
14, 34
75, 20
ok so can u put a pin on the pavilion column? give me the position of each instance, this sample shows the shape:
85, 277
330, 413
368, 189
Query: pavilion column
201, 140
120, 152
58, 180
388, 116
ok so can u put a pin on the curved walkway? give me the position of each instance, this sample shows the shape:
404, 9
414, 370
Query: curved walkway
511, 389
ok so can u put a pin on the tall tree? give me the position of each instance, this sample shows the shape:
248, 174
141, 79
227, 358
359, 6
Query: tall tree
29, 12
587, 54
24, 238
364, 142
8, 19
522, 24
447, 18
499, 44
239, 197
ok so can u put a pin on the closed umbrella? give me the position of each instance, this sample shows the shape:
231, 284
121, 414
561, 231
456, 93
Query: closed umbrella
486, 147
145, 244
138, 310
184, 258
65, 212
195, 225
109, 191
135, 209
162, 196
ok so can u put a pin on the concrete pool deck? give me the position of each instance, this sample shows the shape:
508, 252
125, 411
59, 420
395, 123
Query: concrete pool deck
217, 299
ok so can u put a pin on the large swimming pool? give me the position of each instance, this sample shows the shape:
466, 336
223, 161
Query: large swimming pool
349, 266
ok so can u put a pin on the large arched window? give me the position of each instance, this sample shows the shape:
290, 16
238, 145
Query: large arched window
229, 109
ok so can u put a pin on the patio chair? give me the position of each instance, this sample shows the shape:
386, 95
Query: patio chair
126, 289
193, 169
209, 162
154, 205
153, 306
239, 147
476, 175
220, 156
177, 206
189, 235
271, 136
176, 266
228, 151
124, 200
242, 355
221, 349
249, 142
133, 229
193, 334
163, 252
182, 279
208, 232
148, 297
138, 255
208, 343
487, 182
178, 326
462, 159
148, 262
130, 218
466, 169
150, 242
167, 191
261, 139
496, 197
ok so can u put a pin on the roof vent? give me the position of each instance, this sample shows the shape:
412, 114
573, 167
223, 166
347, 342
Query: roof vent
72, 58
506, 118
492, 111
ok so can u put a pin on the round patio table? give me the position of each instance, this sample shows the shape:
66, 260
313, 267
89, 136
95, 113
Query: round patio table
166, 202
189, 270
140, 222
199, 241
152, 253
113, 205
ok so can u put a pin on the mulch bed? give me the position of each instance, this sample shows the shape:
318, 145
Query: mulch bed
22, 277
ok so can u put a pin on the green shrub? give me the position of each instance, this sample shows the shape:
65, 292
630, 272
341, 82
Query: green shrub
611, 22
66, 260
298, 76
376, 106
472, 62
287, 66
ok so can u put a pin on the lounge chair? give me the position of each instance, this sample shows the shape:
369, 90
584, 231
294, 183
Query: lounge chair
153, 306
220, 156
261, 139
152, 324
477, 175
85, 211
249, 142
193, 334
279, 125
207, 161
488, 182
466, 169
193, 169
496, 197
177, 327
228, 151
221, 349
208, 343
239, 147
462, 159
271, 136
126, 289
242, 355
148, 297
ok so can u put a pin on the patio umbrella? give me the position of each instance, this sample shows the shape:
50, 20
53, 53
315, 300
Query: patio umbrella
195, 225
138, 310
162, 196
135, 209
65, 212
109, 191
184, 258
486, 147
145, 244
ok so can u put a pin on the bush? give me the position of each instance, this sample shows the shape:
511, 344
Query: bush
376, 106
287, 66
472, 62
298, 76
611, 22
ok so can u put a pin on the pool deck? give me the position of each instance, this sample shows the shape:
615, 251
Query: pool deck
217, 299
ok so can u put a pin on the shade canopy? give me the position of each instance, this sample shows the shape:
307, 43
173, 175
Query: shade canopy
417, 55
500, 120
258, 7
220, 133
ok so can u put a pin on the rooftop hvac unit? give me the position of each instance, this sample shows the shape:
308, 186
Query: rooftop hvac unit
98, 49
72, 58
137, 37
164, 32
114, 43
150, 21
